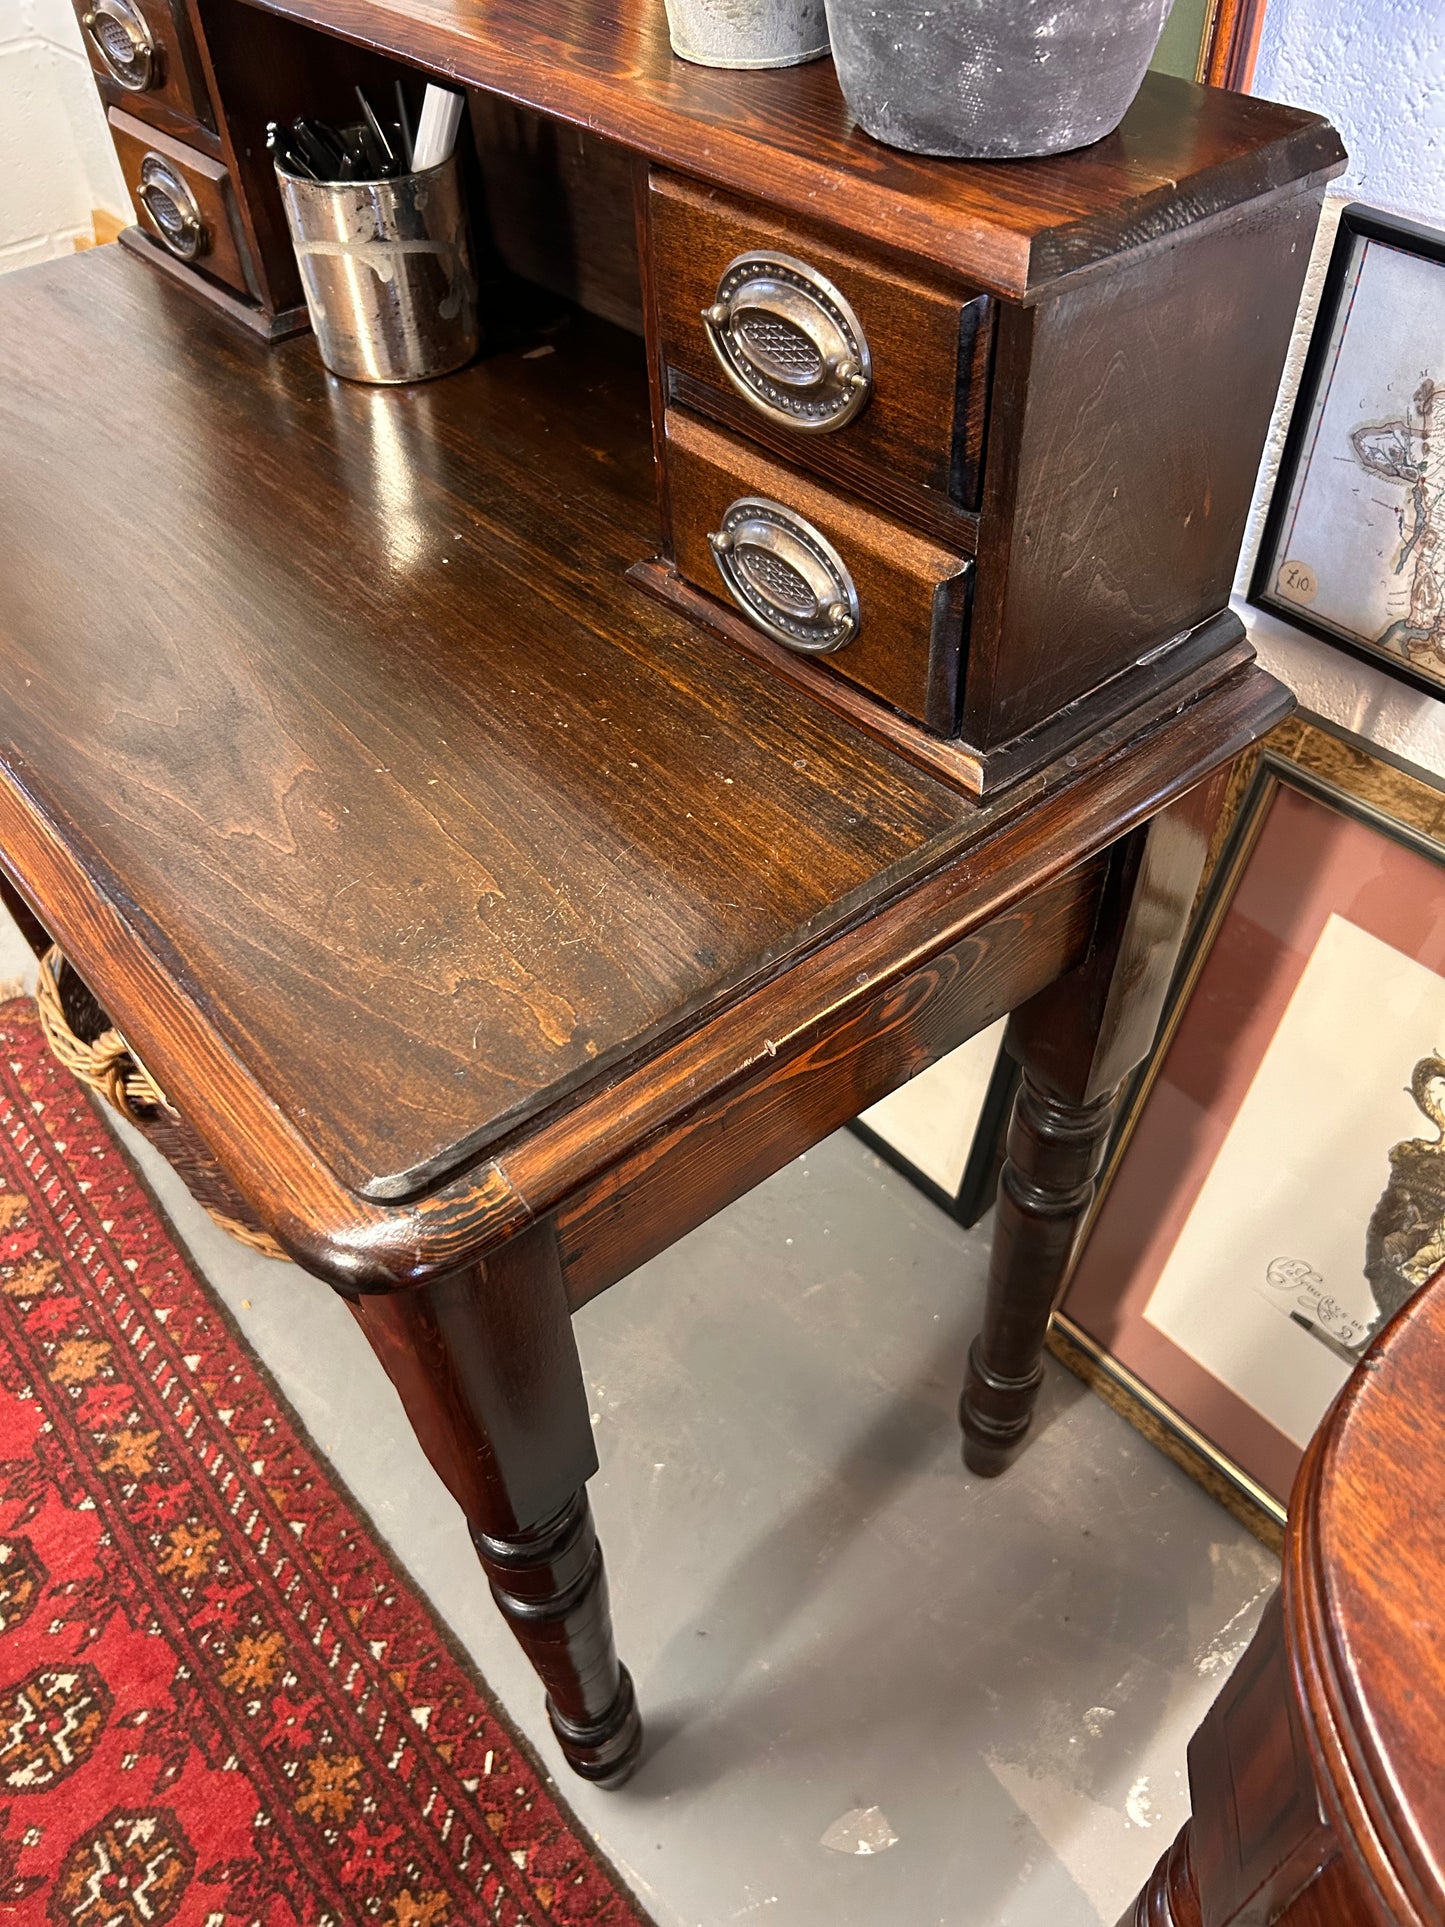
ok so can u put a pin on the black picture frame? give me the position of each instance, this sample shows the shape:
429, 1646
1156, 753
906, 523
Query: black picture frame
1358, 225
978, 1186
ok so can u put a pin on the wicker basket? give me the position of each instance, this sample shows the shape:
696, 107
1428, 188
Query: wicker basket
88, 1045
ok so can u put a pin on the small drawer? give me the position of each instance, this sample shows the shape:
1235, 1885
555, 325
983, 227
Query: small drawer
847, 367
183, 200
142, 53
828, 579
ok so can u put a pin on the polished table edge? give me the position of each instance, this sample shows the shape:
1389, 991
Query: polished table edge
365, 1246
714, 125
1395, 1868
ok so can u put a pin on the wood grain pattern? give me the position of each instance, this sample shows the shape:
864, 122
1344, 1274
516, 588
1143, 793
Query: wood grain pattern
486, 1367
258, 69
924, 422
1362, 1598
912, 594
186, 941
224, 254
557, 204
1314, 1778
1182, 153
486, 848
1128, 417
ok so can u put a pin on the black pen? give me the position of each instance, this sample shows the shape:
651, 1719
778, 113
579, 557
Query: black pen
378, 133
403, 120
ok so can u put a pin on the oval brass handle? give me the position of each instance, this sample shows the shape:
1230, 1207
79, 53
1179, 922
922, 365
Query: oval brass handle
790, 342
122, 38
785, 576
169, 202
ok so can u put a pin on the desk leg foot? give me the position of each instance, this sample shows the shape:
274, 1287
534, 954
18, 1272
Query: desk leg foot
1054, 1153
551, 1587
488, 1372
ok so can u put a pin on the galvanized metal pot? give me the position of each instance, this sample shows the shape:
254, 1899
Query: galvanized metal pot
993, 79
387, 272
748, 33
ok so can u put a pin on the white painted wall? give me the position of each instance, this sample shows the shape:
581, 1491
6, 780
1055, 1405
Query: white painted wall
1377, 69
56, 160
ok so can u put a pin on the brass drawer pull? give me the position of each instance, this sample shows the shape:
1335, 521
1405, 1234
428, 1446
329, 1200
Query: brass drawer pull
120, 36
786, 577
172, 208
789, 342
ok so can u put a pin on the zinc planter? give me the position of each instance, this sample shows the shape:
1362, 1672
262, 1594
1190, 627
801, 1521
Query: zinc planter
992, 79
748, 33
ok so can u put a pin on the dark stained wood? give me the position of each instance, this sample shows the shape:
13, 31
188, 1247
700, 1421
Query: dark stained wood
489, 905
177, 101
1181, 154
484, 848
918, 445
1126, 425
1076, 1042
224, 253
812, 1081
1314, 1779
1044, 828
485, 1365
557, 206
1173, 678
241, 309
912, 594
260, 69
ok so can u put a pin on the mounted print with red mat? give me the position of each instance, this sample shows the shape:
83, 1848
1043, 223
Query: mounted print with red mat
220, 1704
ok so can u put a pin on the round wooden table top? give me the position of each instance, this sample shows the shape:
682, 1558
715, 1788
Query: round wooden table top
1365, 1605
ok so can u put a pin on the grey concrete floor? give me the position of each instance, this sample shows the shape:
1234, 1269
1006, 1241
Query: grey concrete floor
823, 1612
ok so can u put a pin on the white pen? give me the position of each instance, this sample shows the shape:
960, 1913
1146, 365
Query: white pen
436, 131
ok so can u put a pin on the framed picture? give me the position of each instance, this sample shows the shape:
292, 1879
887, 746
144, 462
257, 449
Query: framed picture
945, 1129
1216, 41
1353, 550
1276, 1189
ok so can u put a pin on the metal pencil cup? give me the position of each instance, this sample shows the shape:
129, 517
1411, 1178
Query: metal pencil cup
387, 272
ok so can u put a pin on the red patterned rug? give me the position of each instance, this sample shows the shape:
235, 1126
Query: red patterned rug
220, 1704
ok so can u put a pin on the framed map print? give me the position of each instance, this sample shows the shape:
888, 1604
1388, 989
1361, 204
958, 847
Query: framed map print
1276, 1191
1354, 546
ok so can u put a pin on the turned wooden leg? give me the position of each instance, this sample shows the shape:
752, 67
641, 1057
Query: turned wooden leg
1171, 1898
487, 1370
1046, 1185
1076, 1042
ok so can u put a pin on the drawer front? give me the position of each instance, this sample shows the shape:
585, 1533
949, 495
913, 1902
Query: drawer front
145, 59
182, 199
848, 368
818, 573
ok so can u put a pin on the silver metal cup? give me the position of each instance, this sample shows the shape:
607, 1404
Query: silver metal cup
747, 33
387, 272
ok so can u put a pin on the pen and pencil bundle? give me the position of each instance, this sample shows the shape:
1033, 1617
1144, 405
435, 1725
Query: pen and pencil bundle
372, 149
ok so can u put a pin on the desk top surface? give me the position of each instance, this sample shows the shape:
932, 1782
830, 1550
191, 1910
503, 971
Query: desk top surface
1181, 153
300, 668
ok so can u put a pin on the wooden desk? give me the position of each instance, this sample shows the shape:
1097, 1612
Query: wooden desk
495, 911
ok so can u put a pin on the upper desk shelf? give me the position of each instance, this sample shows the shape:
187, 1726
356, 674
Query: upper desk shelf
1182, 154
1004, 460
